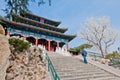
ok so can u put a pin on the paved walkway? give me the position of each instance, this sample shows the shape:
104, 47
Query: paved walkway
102, 66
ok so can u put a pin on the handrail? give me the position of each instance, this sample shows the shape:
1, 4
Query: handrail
51, 68
95, 55
115, 61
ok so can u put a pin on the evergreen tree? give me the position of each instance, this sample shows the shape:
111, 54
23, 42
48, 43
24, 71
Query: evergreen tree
83, 46
15, 6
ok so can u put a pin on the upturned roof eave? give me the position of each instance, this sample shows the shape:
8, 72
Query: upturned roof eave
63, 29
40, 29
72, 37
58, 22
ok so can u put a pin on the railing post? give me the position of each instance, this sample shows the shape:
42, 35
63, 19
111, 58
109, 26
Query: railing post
55, 76
48, 65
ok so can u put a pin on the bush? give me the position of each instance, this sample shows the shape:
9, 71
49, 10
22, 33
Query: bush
19, 45
79, 48
113, 55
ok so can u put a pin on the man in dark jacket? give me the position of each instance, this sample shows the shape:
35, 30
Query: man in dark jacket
84, 54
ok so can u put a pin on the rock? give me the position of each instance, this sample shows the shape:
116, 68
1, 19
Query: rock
27, 65
4, 54
104, 61
2, 31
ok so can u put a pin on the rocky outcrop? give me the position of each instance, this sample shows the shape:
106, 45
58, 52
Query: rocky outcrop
2, 31
27, 65
4, 53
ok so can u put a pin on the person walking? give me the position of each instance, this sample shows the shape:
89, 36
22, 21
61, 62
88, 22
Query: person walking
84, 54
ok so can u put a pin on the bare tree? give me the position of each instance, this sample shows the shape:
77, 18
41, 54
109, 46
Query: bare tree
99, 33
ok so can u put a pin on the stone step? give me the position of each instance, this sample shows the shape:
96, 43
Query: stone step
80, 70
62, 58
81, 73
80, 63
86, 77
105, 78
71, 65
76, 67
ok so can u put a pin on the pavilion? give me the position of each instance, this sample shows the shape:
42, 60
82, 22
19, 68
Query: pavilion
37, 30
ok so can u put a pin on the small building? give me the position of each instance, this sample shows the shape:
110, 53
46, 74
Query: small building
74, 52
37, 30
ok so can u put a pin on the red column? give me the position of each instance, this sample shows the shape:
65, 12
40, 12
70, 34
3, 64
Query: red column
52, 48
48, 45
8, 33
36, 41
25, 37
57, 44
67, 47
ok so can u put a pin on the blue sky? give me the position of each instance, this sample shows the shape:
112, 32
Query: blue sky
73, 13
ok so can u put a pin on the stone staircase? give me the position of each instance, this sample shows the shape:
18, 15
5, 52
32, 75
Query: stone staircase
71, 68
